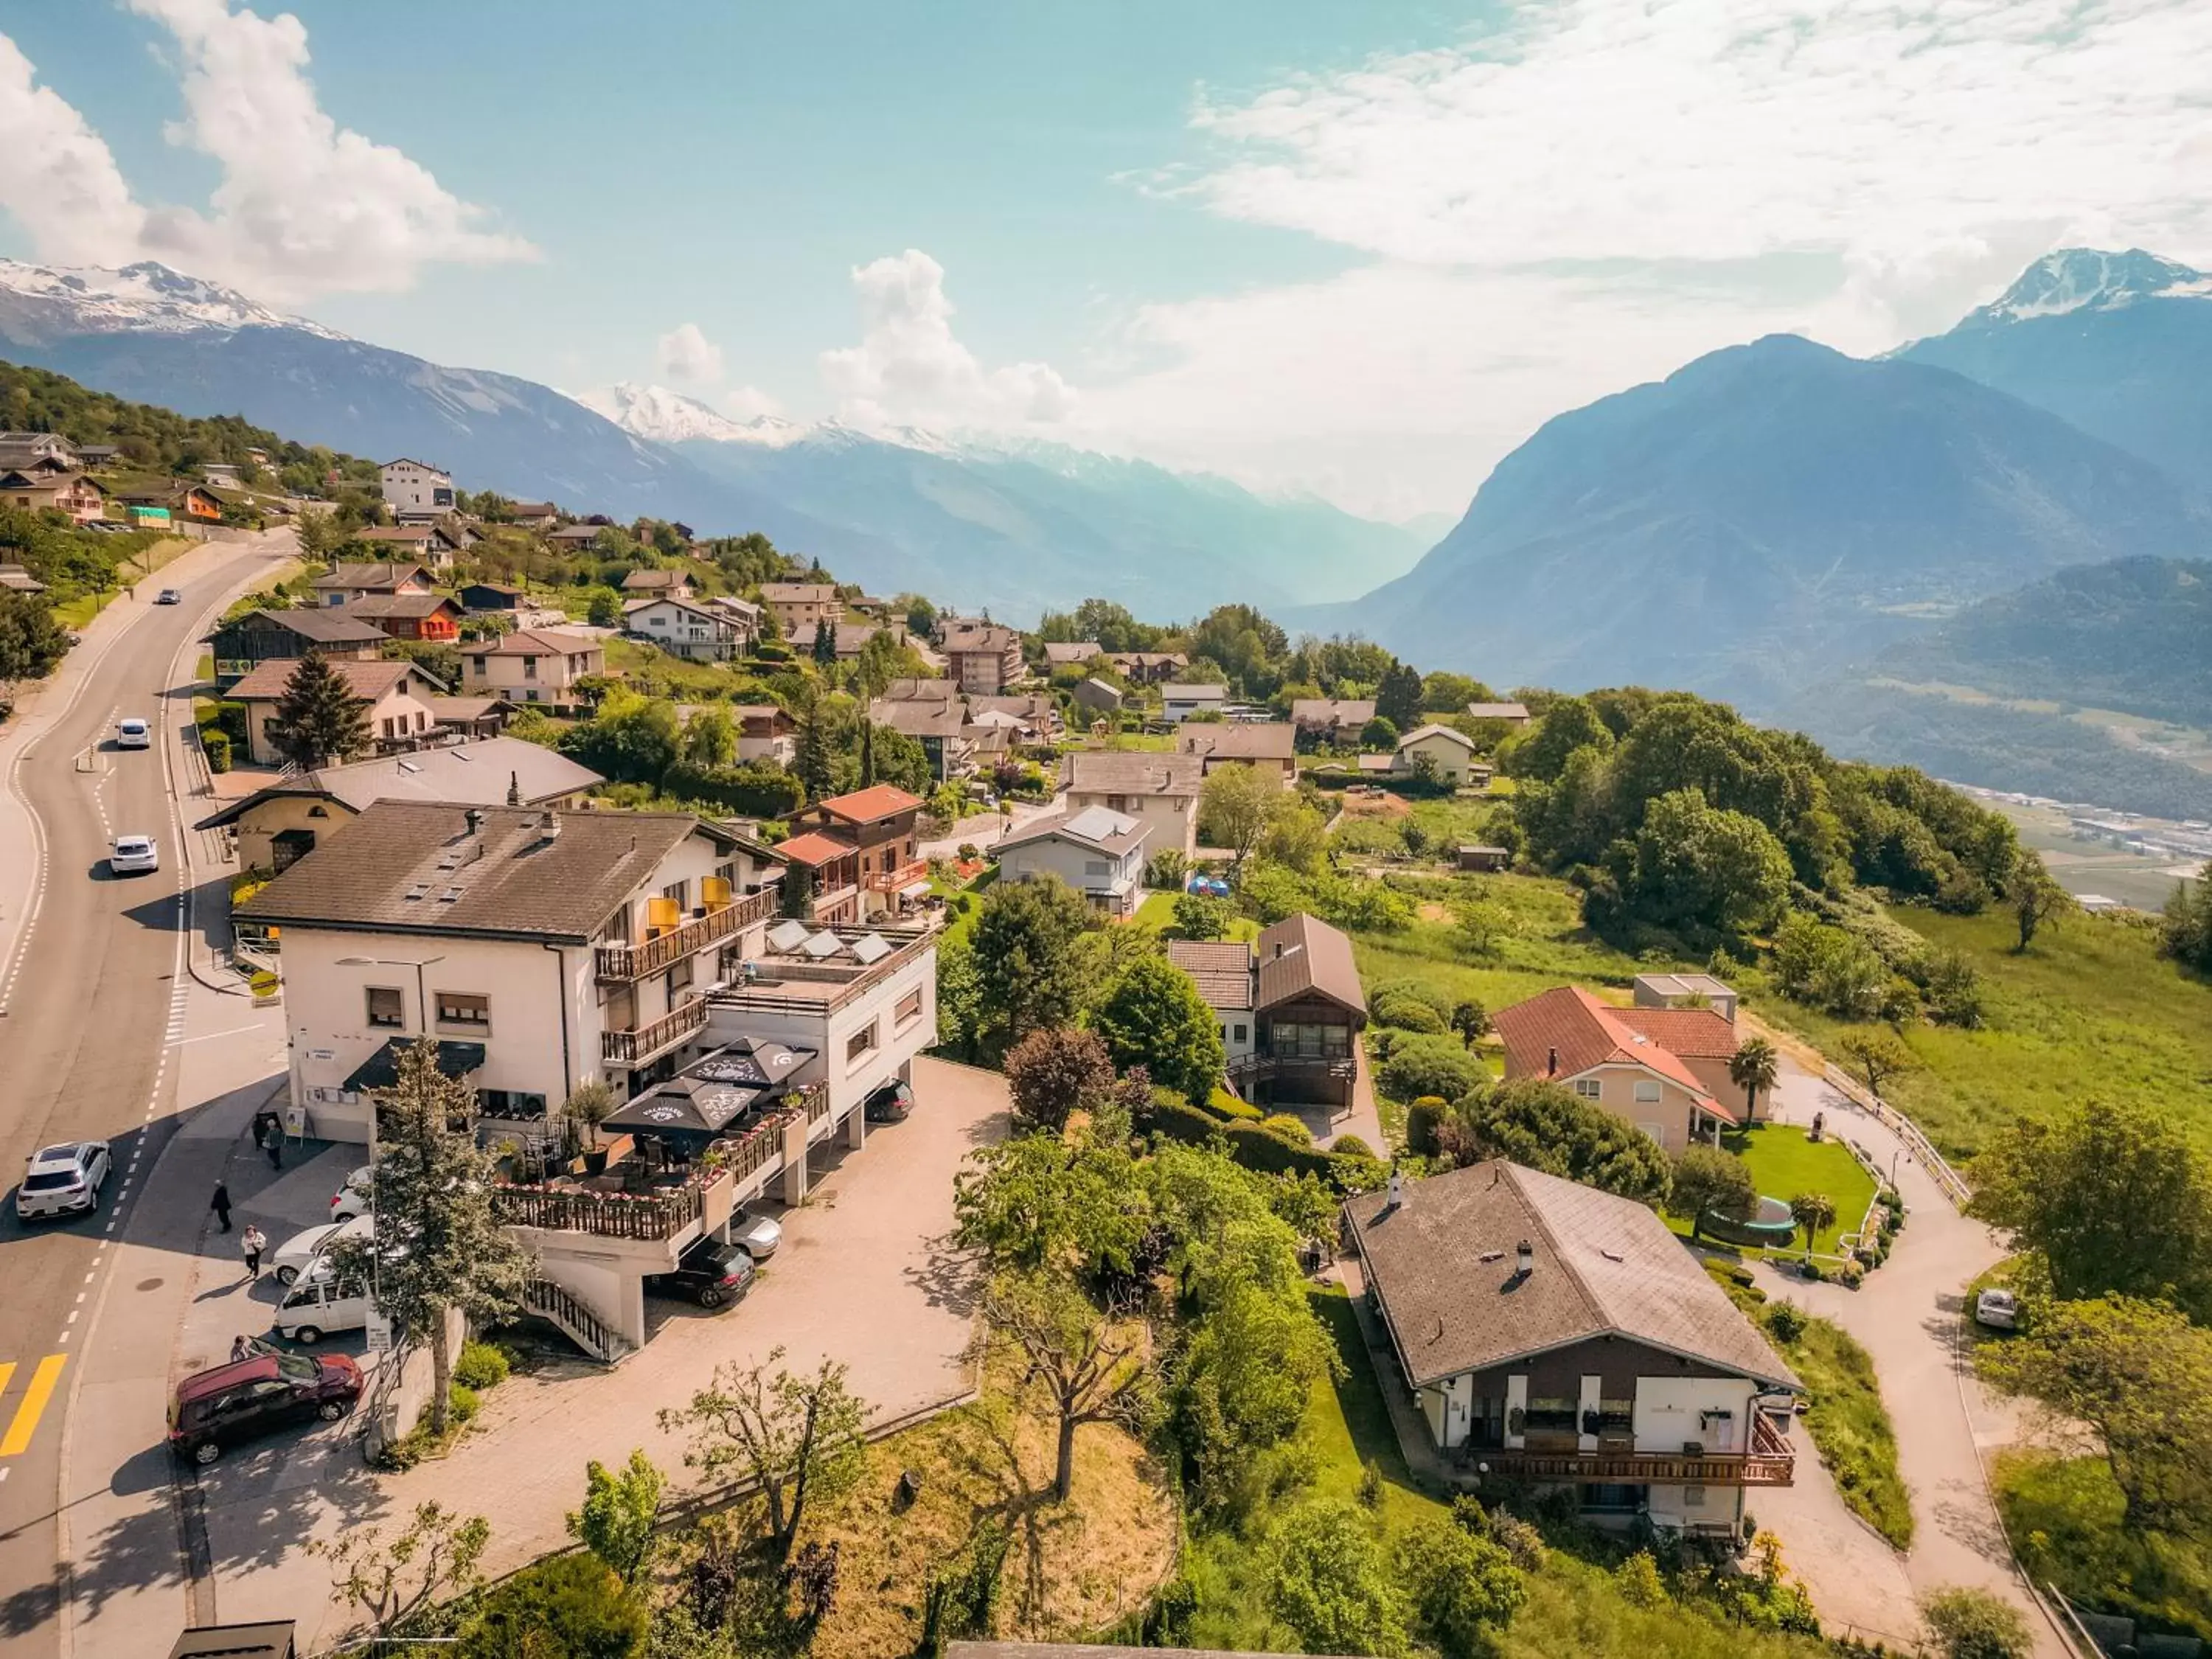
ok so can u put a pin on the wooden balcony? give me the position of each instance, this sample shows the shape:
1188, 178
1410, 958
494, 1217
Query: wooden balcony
621, 964
636, 1048
1245, 1066
889, 881
1771, 1462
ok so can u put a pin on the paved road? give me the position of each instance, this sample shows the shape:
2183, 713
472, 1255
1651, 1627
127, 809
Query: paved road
93, 1004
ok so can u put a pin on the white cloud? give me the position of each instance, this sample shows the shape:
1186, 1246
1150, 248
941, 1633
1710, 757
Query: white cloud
684, 353
57, 176
1597, 190
909, 367
303, 207
749, 403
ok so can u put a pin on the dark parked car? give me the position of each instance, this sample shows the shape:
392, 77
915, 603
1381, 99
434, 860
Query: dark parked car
708, 1272
244, 1401
890, 1103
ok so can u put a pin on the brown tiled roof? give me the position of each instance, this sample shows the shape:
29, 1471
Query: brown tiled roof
1444, 1264
988, 638
920, 690
1498, 711
371, 575
1693, 1033
1433, 730
798, 593
1222, 969
402, 605
883, 801
512, 881
325, 624
1587, 1033
366, 680
915, 717
1240, 740
1071, 652
1303, 953
638, 580
535, 642
1132, 772
403, 534
1333, 711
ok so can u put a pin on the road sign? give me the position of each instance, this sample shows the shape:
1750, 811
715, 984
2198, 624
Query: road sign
380, 1332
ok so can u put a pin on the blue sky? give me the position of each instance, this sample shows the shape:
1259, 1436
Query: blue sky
1360, 250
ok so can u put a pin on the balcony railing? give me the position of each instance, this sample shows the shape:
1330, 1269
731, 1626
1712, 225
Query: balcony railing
1286, 1065
1770, 1462
636, 1048
811, 988
621, 964
889, 881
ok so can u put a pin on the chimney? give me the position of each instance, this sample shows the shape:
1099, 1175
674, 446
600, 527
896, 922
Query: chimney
1551, 1063
513, 789
475, 818
1397, 1190
1524, 1260
548, 825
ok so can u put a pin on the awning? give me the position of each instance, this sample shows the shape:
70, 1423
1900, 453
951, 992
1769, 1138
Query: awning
915, 889
683, 1106
381, 1069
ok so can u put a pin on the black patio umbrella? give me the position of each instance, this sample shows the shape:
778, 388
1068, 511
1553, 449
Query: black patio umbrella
752, 1063
685, 1107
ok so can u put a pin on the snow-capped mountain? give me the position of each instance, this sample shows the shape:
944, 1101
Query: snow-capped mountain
2119, 344
2075, 279
663, 417
147, 298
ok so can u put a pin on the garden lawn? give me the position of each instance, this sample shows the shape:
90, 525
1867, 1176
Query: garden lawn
2092, 1013
1158, 911
1784, 1164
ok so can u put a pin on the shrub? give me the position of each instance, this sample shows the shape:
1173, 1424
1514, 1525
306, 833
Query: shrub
1222, 1104
1420, 1066
1972, 1624
1785, 1323
571, 1605
1351, 1147
464, 1401
214, 744
1055, 1070
1289, 1127
1852, 1276
1422, 1118
481, 1365
1405, 1011
1812, 1270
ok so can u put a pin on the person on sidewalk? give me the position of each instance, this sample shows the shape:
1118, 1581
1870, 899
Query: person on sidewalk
220, 1205
252, 1242
272, 1142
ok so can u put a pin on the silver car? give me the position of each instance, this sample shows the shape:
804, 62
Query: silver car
1997, 1310
64, 1180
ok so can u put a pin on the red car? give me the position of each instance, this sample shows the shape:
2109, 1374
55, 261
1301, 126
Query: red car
229, 1403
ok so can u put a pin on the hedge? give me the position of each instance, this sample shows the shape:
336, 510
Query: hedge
1253, 1147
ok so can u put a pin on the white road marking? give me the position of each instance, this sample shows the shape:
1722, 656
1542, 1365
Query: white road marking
209, 1036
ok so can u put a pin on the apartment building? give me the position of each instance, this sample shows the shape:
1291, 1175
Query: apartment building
538, 665
800, 604
1160, 790
416, 488
983, 658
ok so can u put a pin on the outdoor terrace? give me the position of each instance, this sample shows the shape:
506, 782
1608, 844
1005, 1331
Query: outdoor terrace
621, 964
790, 981
1771, 1462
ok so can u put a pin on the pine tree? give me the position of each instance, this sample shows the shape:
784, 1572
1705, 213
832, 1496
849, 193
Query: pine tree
318, 719
826, 644
867, 751
814, 763
437, 1245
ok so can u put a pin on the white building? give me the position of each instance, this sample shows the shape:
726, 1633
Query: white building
1100, 854
696, 632
541, 950
1560, 1335
1160, 791
1180, 702
415, 489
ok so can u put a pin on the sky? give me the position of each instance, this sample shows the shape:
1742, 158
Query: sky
1360, 252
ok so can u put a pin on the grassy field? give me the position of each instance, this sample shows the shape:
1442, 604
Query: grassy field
2064, 1514
1785, 1165
1544, 944
2091, 1013
1575, 1605
1158, 911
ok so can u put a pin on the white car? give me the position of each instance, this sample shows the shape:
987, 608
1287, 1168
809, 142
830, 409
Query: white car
353, 1197
297, 1254
132, 732
756, 1235
134, 855
64, 1180
1997, 1310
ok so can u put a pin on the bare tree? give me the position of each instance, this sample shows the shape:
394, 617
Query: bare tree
799, 1439
1092, 1363
393, 1580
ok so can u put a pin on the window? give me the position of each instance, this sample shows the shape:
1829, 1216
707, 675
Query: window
387, 1009
1693, 1498
530, 668
860, 1042
679, 979
1096, 867
1647, 1089
678, 893
464, 1009
1239, 1033
477, 664
510, 1103
909, 1007
1587, 1088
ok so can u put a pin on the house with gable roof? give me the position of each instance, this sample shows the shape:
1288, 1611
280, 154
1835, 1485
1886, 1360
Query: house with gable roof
1620, 1059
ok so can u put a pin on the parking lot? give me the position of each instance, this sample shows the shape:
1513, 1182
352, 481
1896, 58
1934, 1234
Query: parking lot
864, 1276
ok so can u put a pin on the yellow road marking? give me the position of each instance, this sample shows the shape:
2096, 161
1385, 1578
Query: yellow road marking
35, 1403
7, 1375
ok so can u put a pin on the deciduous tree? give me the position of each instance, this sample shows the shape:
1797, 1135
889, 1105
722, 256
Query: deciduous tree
622, 1510
1153, 1017
1091, 1364
2032, 897
1054, 1072
1710, 1182
31, 641
1027, 964
392, 1579
1328, 1579
1540, 1123
1232, 808
1877, 1057
1974, 1624
1462, 1587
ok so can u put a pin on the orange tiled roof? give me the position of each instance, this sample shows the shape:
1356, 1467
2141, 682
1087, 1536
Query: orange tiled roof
1588, 1033
867, 805
813, 849
1693, 1033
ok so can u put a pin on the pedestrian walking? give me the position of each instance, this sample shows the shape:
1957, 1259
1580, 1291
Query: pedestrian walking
252, 1242
272, 1142
240, 1348
220, 1205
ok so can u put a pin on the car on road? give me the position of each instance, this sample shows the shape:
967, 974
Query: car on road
132, 732
134, 855
1997, 1310
232, 1404
709, 1273
168, 596
756, 1235
352, 1199
890, 1103
297, 1254
64, 1180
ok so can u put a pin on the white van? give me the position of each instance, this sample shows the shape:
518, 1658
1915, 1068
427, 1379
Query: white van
132, 732
320, 1303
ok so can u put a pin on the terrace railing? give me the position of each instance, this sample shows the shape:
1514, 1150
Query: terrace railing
622, 964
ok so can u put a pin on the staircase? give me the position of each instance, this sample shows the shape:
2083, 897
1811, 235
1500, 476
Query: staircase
561, 1307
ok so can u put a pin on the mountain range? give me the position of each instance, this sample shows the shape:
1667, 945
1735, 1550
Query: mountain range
1014, 529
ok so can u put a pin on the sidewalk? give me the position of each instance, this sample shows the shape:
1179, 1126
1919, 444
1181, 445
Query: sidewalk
1907, 1316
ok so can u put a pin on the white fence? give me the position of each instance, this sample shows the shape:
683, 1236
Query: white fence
1954, 1184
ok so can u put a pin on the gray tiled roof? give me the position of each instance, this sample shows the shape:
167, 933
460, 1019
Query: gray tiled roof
513, 881
1444, 1264
325, 625
1221, 969
461, 774
1132, 772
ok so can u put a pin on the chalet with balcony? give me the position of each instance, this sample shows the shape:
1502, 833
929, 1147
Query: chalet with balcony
541, 949
657, 584
396, 695
1291, 1008
697, 633
540, 666
862, 851
434, 617
1558, 1335
1148, 667
432, 545
345, 583
243, 643
39, 489
765, 732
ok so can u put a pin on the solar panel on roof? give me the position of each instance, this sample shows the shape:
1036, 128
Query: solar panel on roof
823, 946
874, 948
788, 935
